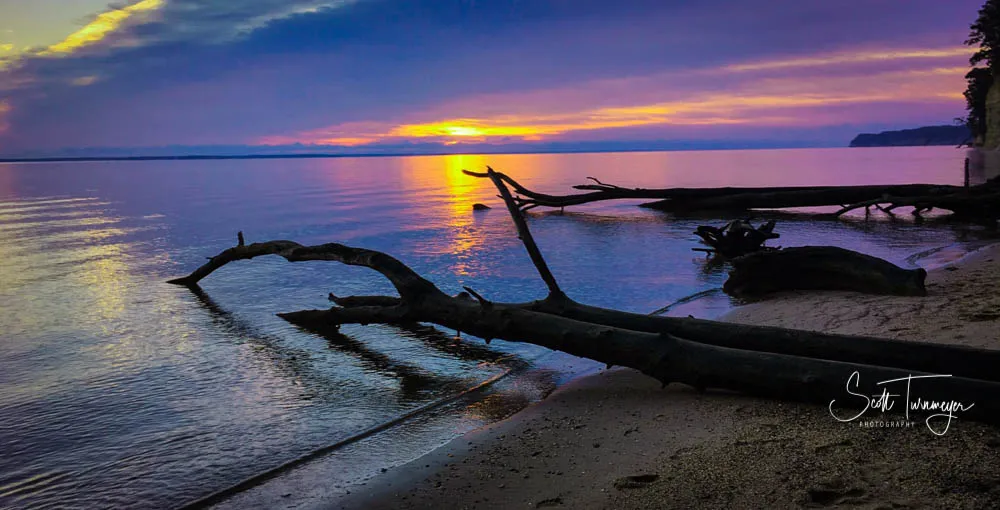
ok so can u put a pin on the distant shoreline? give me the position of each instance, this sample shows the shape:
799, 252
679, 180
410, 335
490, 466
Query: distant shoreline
197, 157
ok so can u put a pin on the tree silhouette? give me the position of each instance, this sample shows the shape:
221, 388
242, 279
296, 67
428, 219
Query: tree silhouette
979, 80
984, 32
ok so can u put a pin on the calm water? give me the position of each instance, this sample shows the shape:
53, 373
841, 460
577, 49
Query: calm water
119, 390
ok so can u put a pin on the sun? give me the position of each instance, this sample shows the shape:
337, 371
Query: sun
463, 131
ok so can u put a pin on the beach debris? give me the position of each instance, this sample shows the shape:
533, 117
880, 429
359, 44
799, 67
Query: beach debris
736, 238
784, 364
820, 268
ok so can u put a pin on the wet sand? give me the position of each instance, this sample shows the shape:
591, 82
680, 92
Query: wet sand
617, 440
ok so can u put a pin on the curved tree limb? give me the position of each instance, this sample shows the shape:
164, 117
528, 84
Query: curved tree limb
406, 281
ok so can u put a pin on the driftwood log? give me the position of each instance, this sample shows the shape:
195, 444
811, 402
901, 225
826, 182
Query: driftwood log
972, 203
736, 238
756, 360
820, 268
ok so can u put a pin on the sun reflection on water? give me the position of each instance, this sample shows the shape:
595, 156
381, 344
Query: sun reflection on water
459, 193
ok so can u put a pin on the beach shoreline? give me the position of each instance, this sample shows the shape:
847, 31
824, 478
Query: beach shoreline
617, 440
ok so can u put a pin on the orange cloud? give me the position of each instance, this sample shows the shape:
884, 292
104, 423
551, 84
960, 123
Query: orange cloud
761, 100
104, 24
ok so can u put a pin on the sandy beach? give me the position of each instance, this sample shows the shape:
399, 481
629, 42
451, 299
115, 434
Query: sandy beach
617, 440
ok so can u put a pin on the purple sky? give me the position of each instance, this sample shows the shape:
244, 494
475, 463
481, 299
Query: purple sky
372, 73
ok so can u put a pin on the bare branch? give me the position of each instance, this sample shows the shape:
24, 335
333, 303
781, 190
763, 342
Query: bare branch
525, 235
482, 301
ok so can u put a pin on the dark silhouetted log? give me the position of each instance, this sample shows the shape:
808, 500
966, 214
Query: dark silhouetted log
786, 198
918, 356
820, 268
976, 202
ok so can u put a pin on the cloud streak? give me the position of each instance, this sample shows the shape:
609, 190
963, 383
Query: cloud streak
104, 24
854, 58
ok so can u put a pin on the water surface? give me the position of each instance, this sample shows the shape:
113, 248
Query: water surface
117, 390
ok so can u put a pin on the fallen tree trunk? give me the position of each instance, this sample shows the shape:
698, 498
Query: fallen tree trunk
816, 197
976, 202
918, 356
820, 268
653, 345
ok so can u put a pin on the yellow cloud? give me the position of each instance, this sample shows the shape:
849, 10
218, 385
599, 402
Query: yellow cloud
5, 48
104, 24
853, 58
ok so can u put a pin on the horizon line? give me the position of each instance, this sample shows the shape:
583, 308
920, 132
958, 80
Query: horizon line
333, 155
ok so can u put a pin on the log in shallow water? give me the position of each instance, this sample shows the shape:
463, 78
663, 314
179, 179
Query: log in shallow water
976, 202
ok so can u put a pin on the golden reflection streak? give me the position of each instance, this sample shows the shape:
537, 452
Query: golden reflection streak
40, 207
104, 24
461, 192
95, 292
55, 222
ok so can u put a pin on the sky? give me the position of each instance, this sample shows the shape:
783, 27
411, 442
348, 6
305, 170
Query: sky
377, 75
